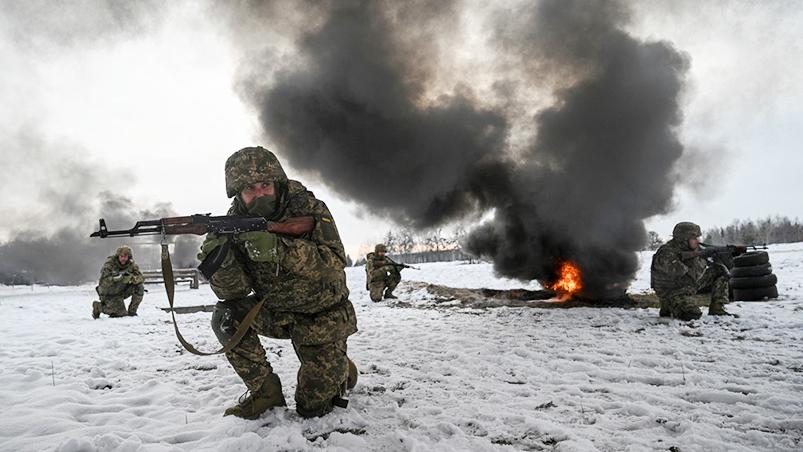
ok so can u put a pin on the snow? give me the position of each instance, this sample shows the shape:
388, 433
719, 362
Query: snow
433, 377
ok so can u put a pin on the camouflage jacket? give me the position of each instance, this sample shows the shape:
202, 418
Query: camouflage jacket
112, 269
309, 278
669, 272
374, 272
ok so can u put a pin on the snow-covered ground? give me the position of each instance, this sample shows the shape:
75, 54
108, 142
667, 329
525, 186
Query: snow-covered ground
445, 379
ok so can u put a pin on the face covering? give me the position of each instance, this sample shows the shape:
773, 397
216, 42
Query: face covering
263, 206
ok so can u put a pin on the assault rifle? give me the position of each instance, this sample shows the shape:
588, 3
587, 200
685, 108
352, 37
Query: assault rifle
720, 254
203, 224
394, 264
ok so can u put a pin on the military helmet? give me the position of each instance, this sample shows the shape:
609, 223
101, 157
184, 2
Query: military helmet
380, 248
249, 166
686, 230
125, 250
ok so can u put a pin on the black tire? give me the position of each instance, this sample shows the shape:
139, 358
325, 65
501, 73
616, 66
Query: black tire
755, 294
754, 270
754, 281
751, 258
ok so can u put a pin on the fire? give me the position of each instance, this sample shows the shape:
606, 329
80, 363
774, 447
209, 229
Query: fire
569, 281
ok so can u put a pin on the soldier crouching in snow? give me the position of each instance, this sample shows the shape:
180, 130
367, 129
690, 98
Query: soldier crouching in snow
302, 282
382, 274
675, 280
120, 278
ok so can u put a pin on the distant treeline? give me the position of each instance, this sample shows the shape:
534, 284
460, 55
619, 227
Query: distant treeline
409, 247
749, 232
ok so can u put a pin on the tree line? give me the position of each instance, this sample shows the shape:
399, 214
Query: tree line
769, 230
435, 245
746, 232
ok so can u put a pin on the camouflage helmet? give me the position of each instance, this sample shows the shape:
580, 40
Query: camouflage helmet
125, 250
686, 230
249, 166
380, 248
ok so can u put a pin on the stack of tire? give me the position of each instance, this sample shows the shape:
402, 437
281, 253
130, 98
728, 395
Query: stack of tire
752, 278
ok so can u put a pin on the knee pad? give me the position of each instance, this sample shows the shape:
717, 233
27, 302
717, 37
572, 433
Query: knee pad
223, 322
139, 289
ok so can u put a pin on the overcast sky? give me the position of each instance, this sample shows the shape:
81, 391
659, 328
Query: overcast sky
143, 101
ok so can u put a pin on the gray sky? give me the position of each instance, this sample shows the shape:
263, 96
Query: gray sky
143, 101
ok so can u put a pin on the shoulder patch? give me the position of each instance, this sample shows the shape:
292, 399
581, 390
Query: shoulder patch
328, 228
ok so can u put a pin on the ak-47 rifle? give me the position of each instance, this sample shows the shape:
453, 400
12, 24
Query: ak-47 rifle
720, 254
390, 263
203, 224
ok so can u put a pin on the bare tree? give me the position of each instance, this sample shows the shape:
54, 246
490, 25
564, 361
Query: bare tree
391, 241
653, 241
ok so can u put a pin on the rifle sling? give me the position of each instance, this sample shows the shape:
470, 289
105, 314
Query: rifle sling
167, 276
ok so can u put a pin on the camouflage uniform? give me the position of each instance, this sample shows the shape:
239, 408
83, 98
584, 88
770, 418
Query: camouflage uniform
676, 280
118, 282
381, 275
304, 284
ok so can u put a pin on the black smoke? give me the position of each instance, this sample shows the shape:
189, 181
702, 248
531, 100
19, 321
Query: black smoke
602, 160
355, 114
572, 181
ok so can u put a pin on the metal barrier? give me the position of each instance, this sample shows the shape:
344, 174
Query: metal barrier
180, 275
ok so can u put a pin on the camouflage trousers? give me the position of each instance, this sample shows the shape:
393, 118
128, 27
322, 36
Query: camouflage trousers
378, 288
114, 306
679, 303
319, 342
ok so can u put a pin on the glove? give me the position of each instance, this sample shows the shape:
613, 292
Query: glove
127, 279
211, 242
262, 246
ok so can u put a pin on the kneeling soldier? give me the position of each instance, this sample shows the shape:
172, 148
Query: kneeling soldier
302, 281
675, 280
120, 278
382, 274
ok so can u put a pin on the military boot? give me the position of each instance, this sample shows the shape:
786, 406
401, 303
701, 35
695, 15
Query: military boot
688, 312
353, 375
389, 294
95, 309
664, 312
716, 308
268, 396
135, 301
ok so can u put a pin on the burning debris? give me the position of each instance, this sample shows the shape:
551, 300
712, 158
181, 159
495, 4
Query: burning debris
569, 281
452, 297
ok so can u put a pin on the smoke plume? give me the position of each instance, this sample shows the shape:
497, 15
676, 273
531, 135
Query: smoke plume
52, 193
63, 198
571, 182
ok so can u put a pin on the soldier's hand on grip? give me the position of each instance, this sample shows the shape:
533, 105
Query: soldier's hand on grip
211, 242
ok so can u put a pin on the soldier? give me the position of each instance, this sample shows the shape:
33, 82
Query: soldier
382, 274
675, 280
120, 278
302, 282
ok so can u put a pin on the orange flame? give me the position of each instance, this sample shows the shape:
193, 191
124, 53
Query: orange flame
569, 281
